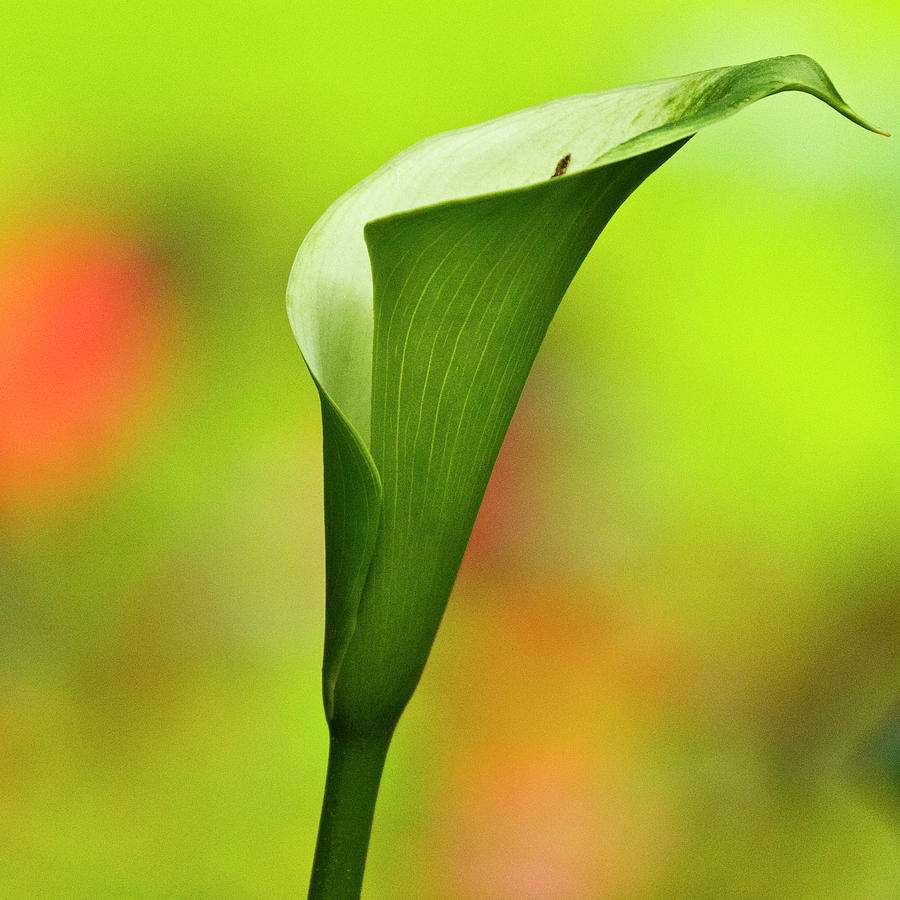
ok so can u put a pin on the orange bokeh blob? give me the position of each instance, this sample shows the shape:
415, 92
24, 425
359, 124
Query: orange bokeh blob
82, 335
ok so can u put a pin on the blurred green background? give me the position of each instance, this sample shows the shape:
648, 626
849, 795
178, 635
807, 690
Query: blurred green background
670, 666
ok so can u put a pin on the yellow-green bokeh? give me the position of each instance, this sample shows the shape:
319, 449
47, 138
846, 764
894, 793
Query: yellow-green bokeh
670, 666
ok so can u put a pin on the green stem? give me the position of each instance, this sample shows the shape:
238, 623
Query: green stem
355, 763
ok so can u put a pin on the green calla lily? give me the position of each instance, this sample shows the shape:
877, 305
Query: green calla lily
419, 301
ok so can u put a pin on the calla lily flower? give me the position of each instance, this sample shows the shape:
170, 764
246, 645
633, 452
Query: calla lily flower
419, 301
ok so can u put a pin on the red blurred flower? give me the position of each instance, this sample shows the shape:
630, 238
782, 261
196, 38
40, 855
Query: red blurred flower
81, 323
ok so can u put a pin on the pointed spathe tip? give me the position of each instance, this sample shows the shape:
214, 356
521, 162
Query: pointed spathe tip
855, 117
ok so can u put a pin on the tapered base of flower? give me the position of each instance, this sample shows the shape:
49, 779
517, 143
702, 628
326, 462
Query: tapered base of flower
355, 764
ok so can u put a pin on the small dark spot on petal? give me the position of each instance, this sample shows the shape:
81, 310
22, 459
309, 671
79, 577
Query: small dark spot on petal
562, 165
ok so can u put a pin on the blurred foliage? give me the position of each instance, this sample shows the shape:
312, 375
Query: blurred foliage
715, 533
